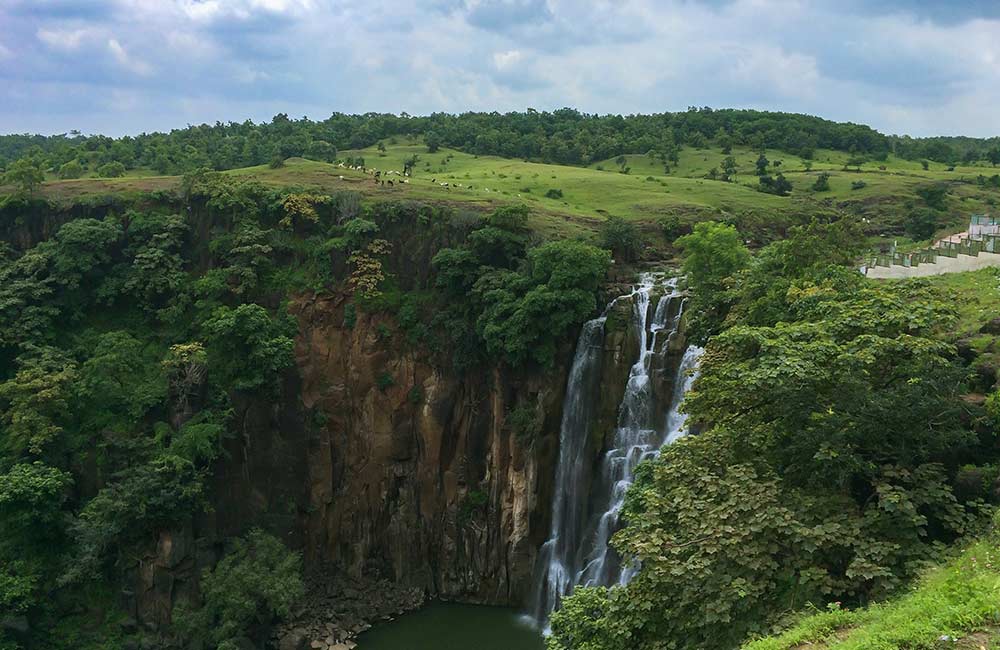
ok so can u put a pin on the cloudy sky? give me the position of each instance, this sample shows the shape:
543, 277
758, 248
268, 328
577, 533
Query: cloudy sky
126, 66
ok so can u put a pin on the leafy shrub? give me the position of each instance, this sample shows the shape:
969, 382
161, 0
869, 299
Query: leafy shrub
524, 423
111, 170
921, 223
934, 195
671, 226
622, 238
70, 170
778, 185
384, 380
822, 183
148, 495
350, 315
359, 232
247, 346
473, 503
524, 316
712, 253
257, 582
554, 194
858, 185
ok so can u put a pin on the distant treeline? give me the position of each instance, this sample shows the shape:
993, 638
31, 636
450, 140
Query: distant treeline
565, 136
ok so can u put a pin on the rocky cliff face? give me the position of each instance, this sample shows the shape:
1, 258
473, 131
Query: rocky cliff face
374, 461
413, 473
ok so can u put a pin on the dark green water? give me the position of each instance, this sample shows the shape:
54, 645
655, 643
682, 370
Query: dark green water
450, 626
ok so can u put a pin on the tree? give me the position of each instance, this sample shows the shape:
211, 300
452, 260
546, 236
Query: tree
32, 521
35, 401
257, 582
359, 232
712, 253
729, 168
457, 270
724, 141
300, 210
70, 170
778, 185
502, 242
622, 238
934, 195
145, 495
322, 151
247, 258
81, 250
856, 162
921, 223
433, 141
247, 347
367, 272
523, 317
156, 271
118, 383
186, 368
762, 163
112, 169
25, 175
409, 164
993, 156
822, 183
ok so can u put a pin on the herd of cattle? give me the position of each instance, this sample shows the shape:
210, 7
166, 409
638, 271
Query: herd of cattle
381, 179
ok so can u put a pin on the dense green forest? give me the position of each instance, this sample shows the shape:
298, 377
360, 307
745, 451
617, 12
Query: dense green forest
564, 136
134, 333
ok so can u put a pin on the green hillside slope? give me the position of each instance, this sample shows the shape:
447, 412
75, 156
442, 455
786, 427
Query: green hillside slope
569, 200
955, 606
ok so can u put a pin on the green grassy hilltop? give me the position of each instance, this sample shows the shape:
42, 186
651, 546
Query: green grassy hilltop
573, 200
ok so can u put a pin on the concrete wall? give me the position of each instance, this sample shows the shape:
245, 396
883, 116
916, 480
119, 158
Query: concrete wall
942, 266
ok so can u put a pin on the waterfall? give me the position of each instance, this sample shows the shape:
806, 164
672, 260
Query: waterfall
569, 513
578, 551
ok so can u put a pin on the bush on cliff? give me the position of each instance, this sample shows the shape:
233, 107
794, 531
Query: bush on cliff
257, 581
518, 301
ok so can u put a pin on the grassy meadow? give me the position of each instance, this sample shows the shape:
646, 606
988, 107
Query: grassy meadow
569, 201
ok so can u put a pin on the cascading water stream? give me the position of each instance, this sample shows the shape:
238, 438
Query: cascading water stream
569, 513
578, 550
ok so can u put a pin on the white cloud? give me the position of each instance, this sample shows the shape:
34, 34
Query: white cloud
126, 61
207, 60
62, 39
504, 60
